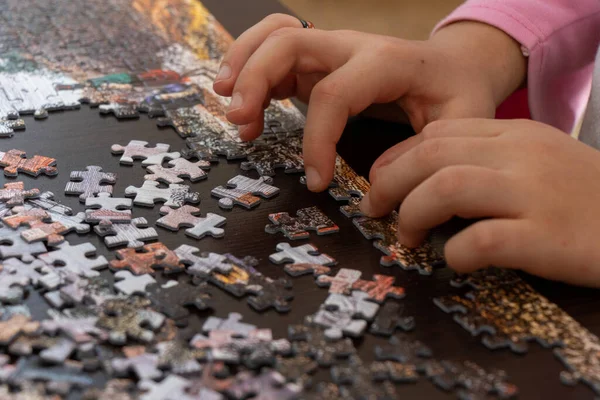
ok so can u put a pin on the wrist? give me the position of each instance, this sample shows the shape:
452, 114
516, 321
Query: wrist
489, 54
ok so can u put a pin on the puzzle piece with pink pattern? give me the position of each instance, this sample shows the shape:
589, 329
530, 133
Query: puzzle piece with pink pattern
14, 161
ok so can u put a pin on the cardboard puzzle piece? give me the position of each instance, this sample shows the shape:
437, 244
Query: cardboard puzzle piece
179, 358
394, 371
79, 328
133, 234
15, 275
209, 147
355, 380
22, 216
56, 378
16, 325
13, 245
59, 352
127, 283
267, 157
129, 318
264, 292
143, 365
268, 385
173, 387
59, 213
357, 304
347, 184
391, 317
120, 110
89, 182
115, 389
219, 345
380, 288
51, 232
4, 209
138, 150
178, 169
307, 219
185, 216
305, 254
297, 369
173, 196
404, 349
338, 315
9, 126
174, 300
243, 191
232, 323
340, 283
202, 265
305, 269
147, 259
78, 259
14, 194
15, 161
103, 207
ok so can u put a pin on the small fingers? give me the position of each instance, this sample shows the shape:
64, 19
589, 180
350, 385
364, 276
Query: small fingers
463, 191
241, 50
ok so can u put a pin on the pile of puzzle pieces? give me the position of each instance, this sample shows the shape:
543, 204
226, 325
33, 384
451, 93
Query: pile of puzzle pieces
132, 318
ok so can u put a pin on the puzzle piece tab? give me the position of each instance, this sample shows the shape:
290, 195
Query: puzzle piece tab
103, 207
307, 219
89, 182
14, 194
14, 161
13, 245
243, 191
133, 234
184, 216
174, 196
138, 150
179, 168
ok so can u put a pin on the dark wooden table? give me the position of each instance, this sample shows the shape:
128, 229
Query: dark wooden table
83, 137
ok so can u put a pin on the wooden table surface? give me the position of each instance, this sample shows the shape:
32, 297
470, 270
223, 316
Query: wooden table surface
83, 137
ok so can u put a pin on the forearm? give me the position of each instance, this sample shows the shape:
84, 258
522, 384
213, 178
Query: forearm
491, 53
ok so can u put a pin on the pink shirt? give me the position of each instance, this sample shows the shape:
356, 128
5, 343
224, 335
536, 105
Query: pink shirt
561, 38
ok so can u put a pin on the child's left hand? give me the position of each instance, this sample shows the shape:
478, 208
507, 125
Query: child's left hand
538, 188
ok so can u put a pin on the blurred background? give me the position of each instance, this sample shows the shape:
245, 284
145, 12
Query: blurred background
409, 19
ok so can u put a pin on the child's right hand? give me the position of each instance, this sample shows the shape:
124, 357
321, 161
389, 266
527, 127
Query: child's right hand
465, 70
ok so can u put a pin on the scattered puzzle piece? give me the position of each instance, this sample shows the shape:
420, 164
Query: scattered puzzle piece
14, 161
269, 385
14, 193
179, 358
21, 216
129, 318
9, 126
13, 245
126, 282
88, 183
305, 254
232, 324
403, 349
380, 288
15, 275
389, 318
356, 381
120, 110
144, 366
306, 219
173, 387
338, 312
138, 150
174, 196
133, 234
243, 191
16, 325
394, 371
202, 266
267, 157
172, 301
51, 232
59, 212
103, 207
184, 216
304, 269
340, 283
77, 259
179, 168
79, 328
145, 260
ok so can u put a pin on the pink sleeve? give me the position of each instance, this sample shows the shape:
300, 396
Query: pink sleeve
561, 38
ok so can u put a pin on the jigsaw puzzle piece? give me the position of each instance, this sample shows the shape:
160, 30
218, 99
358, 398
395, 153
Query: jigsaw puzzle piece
138, 150
22, 216
77, 259
147, 259
127, 283
179, 358
16, 325
133, 234
380, 288
199, 227
268, 385
174, 196
13, 245
202, 266
173, 387
129, 318
15, 275
9, 126
342, 282
391, 317
103, 207
15, 161
14, 194
120, 110
89, 182
243, 191
179, 168
305, 254
232, 323
307, 219
173, 300
59, 213
268, 156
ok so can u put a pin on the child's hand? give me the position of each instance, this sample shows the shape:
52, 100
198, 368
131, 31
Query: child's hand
538, 188
464, 71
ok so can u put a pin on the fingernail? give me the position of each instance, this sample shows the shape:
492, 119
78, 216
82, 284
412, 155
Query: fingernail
313, 179
365, 205
236, 102
224, 73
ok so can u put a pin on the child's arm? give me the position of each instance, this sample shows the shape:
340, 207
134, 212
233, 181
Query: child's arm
561, 38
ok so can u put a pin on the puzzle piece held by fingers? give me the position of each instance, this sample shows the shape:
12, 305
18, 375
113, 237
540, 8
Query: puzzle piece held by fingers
77, 259
89, 182
103, 207
14, 194
174, 196
184, 216
138, 150
243, 191
179, 168
145, 260
14, 161
306, 219
133, 234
